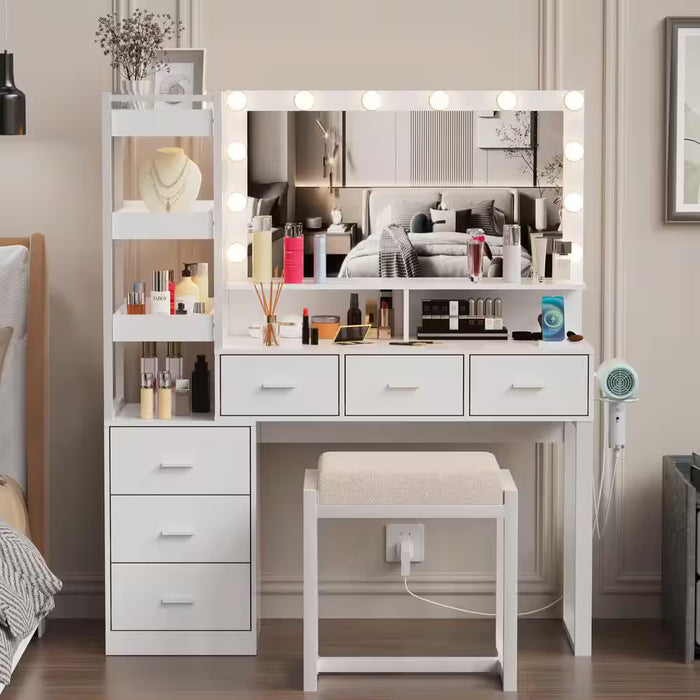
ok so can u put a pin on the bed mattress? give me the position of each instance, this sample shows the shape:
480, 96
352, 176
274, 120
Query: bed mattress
14, 275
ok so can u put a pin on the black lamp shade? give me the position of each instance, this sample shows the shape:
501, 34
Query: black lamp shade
12, 100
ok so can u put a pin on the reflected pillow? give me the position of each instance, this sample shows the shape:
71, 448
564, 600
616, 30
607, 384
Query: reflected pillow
403, 211
451, 220
421, 223
259, 207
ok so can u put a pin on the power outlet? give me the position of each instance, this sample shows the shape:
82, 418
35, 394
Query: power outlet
395, 534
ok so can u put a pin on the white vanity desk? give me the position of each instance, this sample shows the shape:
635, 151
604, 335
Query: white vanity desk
181, 496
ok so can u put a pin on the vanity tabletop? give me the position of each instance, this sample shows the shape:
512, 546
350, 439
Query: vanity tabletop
247, 345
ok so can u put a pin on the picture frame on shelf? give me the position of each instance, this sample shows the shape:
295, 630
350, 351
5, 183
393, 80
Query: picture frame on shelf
682, 119
184, 75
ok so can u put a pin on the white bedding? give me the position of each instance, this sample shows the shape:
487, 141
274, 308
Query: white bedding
440, 254
14, 274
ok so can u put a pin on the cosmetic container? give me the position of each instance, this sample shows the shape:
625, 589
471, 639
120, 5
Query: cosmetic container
561, 260
511, 253
187, 292
181, 310
540, 262
171, 290
147, 397
354, 313
173, 361
475, 253
200, 276
200, 386
327, 326
200, 307
314, 336
262, 249
133, 305
488, 307
498, 314
165, 395
149, 360
182, 397
471, 306
160, 294
293, 254
305, 327
480, 308
320, 257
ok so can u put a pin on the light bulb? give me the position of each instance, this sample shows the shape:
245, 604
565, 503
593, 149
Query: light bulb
573, 151
506, 100
304, 100
236, 151
236, 100
439, 100
236, 253
371, 100
236, 201
573, 100
573, 202
576, 252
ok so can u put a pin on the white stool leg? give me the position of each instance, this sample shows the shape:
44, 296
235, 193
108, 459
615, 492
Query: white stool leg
510, 593
310, 582
499, 588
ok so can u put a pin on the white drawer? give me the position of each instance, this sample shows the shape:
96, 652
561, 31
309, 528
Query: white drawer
180, 529
187, 460
279, 385
404, 385
528, 385
156, 597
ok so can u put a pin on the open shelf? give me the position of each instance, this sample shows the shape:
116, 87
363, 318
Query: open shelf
161, 327
423, 283
154, 122
134, 221
130, 413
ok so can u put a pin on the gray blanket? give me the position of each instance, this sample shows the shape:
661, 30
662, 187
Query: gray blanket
397, 258
27, 588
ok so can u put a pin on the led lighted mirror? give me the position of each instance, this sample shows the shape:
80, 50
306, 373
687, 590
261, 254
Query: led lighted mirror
434, 164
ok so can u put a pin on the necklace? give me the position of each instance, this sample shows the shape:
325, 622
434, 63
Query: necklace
169, 198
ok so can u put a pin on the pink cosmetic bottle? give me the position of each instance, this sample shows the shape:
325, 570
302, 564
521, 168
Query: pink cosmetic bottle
293, 254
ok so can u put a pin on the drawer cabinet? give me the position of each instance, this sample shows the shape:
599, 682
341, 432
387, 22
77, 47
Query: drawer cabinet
180, 597
279, 385
181, 460
528, 385
404, 385
180, 528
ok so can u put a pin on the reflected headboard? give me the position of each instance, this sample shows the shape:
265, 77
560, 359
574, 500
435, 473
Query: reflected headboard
375, 200
36, 386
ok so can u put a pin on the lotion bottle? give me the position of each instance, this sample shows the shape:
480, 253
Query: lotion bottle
262, 249
147, 399
165, 396
187, 292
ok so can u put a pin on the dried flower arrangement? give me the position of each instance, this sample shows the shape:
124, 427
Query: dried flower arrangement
134, 42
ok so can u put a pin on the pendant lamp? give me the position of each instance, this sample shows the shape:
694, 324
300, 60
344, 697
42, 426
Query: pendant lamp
13, 120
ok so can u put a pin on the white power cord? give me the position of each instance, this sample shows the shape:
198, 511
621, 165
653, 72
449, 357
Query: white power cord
474, 612
601, 507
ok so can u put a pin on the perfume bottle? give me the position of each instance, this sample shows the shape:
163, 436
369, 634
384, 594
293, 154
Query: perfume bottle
147, 397
293, 254
165, 395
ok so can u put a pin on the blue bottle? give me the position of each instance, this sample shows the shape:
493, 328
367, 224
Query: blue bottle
553, 326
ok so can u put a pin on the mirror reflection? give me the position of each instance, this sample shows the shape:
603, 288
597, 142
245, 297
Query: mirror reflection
401, 193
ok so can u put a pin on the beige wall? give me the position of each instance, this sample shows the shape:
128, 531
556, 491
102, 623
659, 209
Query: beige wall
50, 181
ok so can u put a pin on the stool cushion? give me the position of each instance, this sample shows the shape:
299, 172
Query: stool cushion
409, 478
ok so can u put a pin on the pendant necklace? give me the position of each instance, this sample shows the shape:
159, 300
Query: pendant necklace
180, 182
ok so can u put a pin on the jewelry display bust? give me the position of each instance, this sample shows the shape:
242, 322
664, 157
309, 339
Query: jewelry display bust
169, 181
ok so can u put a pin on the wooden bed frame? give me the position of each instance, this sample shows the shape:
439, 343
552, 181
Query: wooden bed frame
37, 393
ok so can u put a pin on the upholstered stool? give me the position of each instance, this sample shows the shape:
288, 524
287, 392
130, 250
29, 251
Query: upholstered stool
398, 485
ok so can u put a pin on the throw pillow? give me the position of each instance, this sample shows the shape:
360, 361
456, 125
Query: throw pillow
5, 336
421, 223
260, 207
451, 220
484, 217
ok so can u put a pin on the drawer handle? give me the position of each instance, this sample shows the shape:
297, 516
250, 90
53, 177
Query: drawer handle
181, 534
402, 387
277, 387
533, 386
177, 600
176, 465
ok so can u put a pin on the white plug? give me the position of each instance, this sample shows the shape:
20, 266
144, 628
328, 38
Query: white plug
405, 554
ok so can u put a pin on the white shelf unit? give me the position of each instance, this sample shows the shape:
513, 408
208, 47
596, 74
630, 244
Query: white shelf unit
161, 328
162, 123
132, 221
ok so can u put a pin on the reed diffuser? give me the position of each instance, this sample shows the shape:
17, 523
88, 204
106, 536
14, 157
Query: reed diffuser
269, 304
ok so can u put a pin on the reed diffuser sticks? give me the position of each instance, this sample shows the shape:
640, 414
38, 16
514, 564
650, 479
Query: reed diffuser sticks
269, 303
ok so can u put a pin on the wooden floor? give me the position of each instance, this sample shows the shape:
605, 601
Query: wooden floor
632, 660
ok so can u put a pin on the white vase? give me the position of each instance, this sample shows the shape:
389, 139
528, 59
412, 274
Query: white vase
541, 214
137, 87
